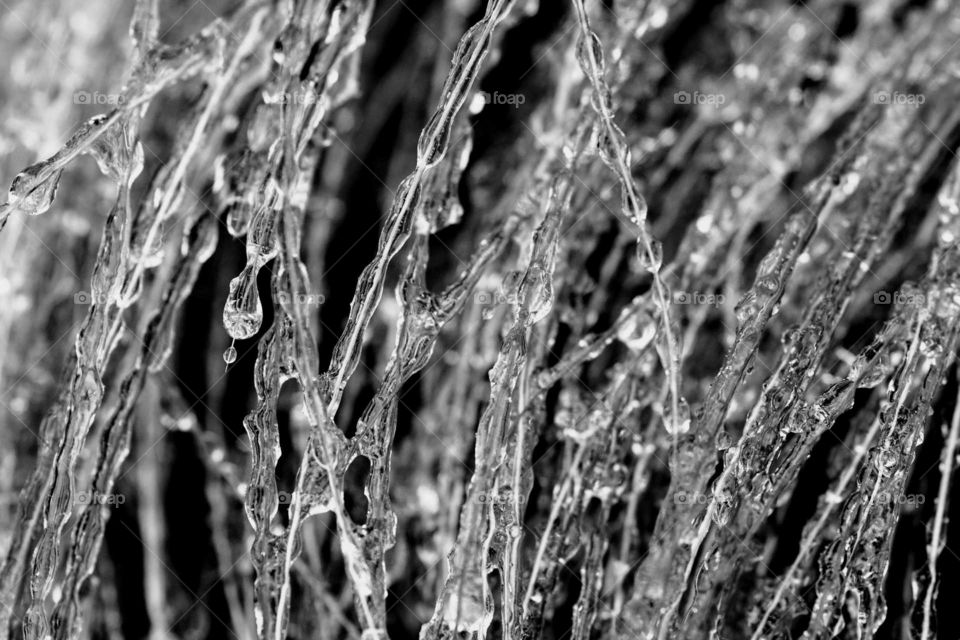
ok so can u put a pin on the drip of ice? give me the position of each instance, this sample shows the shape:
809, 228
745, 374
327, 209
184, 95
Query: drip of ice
243, 312
677, 423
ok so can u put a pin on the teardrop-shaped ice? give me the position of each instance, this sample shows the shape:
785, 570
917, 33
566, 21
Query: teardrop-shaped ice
243, 313
40, 198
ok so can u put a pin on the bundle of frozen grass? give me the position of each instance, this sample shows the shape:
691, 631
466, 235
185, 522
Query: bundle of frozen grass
480, 319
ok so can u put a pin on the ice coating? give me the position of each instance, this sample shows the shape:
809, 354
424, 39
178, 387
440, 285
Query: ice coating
588, 362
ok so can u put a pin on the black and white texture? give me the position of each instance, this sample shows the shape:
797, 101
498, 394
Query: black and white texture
519, 319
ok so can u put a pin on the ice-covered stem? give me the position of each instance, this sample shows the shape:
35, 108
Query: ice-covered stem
431, 148
289, 165
292, 159
870, 368
812, 534
423, 316
198, 244
948, 204
672, 561
465, 603
319, 485
616, 155
769, 453
865, 524
54, 486
34, 188
937, 539
756, 307
116, 283
850, 568
304, 93
261, 499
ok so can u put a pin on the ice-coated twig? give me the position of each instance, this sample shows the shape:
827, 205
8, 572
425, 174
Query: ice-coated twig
937, 542
431, 148
464, 604
616, 155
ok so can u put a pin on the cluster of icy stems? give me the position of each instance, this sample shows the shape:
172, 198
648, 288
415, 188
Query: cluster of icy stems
501, 561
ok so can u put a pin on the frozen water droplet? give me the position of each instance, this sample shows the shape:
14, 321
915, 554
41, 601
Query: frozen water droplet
230, 355
243, 312
584, 48
886, 461
603, 102
434, 140
611, 142
510, 284
679, 423
768, 285
238, 219
466, 610
151, 256
721, 516
537, 290
637, 331
40, 198
850, 182
724, 440
651, 260
790, 335
870, 377
112, 151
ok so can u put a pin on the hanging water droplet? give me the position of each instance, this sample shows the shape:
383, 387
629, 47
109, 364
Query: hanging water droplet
230, 355
238, 219
243, 312
510, 284
677, 423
